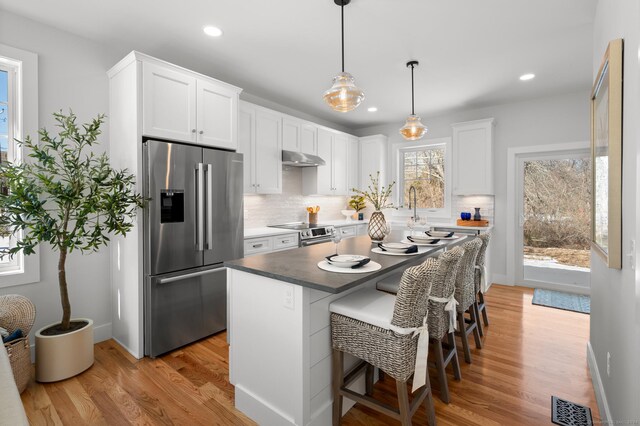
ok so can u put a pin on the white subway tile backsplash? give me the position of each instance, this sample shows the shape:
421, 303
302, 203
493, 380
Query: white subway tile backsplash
467, 203
263, 210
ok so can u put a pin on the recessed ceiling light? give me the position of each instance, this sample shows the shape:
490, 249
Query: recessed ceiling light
372, 109
212, 31
525, 77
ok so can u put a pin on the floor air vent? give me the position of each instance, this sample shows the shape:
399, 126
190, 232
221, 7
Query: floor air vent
567, 413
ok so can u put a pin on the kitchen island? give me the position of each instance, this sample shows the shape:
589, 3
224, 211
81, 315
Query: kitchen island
279, 334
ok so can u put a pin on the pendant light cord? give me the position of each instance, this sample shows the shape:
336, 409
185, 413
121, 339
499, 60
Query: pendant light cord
413, 112
342, 17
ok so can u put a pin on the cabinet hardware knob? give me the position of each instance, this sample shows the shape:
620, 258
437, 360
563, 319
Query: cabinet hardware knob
193, 130
201, 132
257, 245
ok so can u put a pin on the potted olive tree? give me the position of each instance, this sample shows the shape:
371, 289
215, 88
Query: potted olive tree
67, 196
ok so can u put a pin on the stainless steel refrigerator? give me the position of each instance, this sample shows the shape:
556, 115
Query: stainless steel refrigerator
193, 223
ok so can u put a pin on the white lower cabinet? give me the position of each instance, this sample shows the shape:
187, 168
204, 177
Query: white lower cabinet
347, 231
262, 245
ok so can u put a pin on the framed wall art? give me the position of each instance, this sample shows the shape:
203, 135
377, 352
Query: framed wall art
606, 157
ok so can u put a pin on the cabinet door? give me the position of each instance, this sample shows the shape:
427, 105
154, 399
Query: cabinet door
373, 152
217, 122
168, 103
325, 173
473, 158
268, 152
290, 135
353, 164
340, 165
246, 142
309, 139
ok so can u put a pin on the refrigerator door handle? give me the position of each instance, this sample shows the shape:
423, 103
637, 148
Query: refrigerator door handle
209, 240
187, 276
200, 207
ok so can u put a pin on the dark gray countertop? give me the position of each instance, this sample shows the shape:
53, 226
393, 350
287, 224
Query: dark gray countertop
300, 266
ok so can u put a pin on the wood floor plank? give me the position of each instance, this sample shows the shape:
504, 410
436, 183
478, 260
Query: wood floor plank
530, 353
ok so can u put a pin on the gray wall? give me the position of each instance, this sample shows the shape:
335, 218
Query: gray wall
564, 118
71, 74
615, 294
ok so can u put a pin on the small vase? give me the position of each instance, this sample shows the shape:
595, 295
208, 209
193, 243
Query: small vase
477, 215
360, 216
377, 226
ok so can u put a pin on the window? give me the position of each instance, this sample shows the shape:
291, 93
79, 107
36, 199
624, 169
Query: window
18, 117
425, 167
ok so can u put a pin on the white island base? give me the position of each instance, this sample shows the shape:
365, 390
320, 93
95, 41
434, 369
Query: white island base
280, 350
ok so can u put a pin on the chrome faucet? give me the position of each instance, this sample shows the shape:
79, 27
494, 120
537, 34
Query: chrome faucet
415, 214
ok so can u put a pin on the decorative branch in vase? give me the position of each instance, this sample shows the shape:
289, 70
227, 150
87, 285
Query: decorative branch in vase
378, 195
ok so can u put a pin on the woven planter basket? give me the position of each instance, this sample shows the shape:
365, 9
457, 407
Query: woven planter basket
18, 312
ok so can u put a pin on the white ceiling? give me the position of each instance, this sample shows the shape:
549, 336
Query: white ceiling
471, 52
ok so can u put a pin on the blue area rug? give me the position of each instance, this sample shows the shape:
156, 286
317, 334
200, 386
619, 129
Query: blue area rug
567, 301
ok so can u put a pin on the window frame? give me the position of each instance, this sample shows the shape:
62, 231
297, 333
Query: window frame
398, 151
23, 103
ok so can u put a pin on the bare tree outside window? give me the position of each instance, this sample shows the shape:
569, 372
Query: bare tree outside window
424, 169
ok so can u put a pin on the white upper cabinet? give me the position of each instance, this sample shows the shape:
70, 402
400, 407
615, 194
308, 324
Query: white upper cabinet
333, 177
260, 142
309, 139
184, 106
291, 134
169, 103
217, 112
353, 161
373, 155
473, 157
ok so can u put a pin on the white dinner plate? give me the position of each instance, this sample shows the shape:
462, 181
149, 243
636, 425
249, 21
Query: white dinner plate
439, 243
390, 253
369, 267
396, 247
346, 260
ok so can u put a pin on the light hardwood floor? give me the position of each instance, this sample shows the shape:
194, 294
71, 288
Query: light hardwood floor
530, 354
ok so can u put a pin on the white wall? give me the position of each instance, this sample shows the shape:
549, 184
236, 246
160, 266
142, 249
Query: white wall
564, 118
615, 294
72, 74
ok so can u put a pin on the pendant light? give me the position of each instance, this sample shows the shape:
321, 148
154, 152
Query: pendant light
344, 95
413, 129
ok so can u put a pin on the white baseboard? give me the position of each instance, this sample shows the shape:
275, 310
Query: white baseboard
601, 397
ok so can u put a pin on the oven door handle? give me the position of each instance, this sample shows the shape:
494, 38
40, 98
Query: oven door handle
314, 242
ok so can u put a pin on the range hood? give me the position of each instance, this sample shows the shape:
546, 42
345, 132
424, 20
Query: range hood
299, 159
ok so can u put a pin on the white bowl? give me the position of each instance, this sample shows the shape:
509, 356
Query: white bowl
438, 234
346, 260
395, 247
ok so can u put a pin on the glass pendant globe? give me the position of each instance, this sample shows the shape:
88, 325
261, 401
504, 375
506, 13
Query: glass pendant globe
413, 129
344, 95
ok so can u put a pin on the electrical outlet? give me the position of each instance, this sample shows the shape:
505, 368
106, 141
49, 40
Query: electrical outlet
632, 254
288, 298
608, 364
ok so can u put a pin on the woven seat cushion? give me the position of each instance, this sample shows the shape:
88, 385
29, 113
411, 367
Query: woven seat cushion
367, 305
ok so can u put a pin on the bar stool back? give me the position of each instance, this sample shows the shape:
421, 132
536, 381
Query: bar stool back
481, 281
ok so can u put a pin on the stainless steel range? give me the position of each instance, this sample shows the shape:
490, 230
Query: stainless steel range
309, 233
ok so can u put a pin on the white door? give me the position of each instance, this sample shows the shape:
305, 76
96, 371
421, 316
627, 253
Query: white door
268, 153
246, 144
309, 139
340, 165
553, 220
290, 135
217, 109
325, 174
168, 103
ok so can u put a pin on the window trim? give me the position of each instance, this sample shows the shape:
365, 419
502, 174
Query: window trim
25, 100
397, 149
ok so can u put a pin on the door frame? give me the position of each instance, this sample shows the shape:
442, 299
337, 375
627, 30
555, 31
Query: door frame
513, 156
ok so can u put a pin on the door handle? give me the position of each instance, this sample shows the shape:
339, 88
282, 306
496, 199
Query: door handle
187, 276
200, 207
209, 242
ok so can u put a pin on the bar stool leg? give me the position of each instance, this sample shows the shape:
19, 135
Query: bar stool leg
484, 310
455, 361
442, 374
403, 403
428, 403
337, 366
463, 335
476, 310
476, 330
369, 380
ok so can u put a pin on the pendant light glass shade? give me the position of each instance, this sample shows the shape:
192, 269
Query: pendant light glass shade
413, 129
344, 95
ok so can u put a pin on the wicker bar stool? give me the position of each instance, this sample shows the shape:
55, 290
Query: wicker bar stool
481, 283
388, 332
442, 316
18, 312
466, 296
